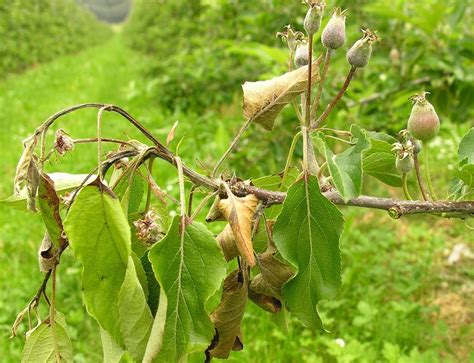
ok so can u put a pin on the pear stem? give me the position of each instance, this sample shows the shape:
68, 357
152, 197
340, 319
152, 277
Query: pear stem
327, 61
418, 177
336, 99
289, 158
405, 186
428, 172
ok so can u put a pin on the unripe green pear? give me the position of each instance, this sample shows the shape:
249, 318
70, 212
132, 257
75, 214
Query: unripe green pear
405, 165
334, 34
423, 123
312, 20
301, 55
359, 54
416, 146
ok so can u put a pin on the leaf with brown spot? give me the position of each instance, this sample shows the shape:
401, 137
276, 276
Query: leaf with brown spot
239, 213
48, 203
228, 316
227, 242
263, 100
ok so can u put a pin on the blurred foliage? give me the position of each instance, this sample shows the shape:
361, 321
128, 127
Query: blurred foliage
111, 11
201, 52
40, 30
194, 47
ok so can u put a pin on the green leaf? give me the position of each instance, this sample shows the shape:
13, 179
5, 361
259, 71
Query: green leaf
141, 274
273, 182
381, 136
189, 267
346, 167
466, 148
130, 191
135, 315
155, 342
466, 174
48, 204
152, 284
307, 235
112, 351
465, 171
44, 345
379, 162
99, 235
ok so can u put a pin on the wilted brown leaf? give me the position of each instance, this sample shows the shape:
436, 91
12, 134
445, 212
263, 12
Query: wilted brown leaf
18, 320
266, 302
170, 136
214, 213
273, 274
239, 213
47, 254
49, 202
227, 242
228, 316
21, 174
263, 100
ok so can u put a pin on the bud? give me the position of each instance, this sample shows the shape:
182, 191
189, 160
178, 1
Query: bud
334, 34
148, 230
405, 165
292, 38
416, 146
359, 55
302, 54
63, 142
312, 20
404, 161
423, 123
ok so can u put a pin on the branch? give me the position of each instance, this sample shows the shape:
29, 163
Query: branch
395, 207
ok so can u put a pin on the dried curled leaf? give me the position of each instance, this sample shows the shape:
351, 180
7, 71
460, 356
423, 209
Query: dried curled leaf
228, 316
273, 274
47, 256
214, 213
263, 100
48, 205
266, 302
239, 213
171, 134
21, 175
227, 242
18, 320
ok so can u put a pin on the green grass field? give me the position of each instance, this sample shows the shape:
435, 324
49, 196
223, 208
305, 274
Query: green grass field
400, 300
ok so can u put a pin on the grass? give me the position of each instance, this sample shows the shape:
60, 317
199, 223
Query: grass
400, 300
